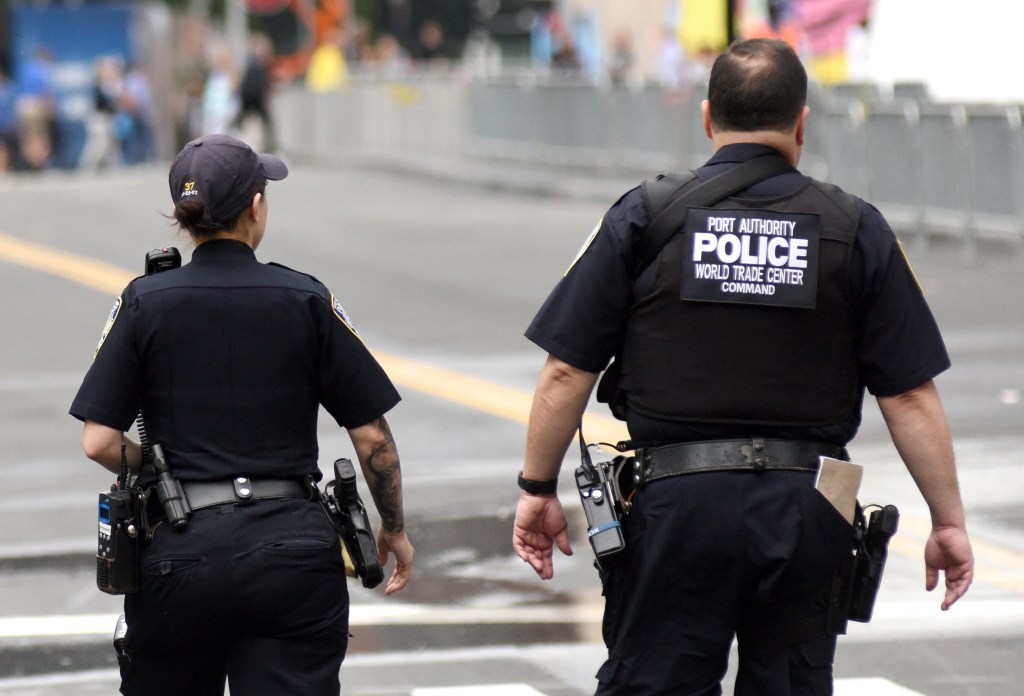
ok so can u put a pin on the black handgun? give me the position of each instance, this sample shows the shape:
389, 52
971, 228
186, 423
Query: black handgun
870, 561
348, 514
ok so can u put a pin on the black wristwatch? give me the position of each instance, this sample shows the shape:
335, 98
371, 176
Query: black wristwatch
538, 487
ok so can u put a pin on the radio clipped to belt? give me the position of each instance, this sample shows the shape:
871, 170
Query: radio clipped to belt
597, 479
120, 527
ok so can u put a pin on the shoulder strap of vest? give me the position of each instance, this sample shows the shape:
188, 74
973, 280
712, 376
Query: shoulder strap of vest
667, 207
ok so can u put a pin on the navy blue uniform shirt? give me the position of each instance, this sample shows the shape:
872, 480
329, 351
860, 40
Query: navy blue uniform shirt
583, 320
229, 360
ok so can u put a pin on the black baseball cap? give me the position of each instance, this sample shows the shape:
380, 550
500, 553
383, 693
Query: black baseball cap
224, 173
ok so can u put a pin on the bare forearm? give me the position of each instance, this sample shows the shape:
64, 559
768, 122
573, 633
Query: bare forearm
102, 444
558, 404
920, 432
378, 457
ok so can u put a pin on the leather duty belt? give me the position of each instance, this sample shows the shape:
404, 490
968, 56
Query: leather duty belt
242, 490
754, 454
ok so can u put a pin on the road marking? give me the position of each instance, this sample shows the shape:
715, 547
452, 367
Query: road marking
893, 619
472, 392
871, 687
476, 690
83, 270
843, 687
22, 685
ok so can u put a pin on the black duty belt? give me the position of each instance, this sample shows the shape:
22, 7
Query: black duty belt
242, 490
754, 454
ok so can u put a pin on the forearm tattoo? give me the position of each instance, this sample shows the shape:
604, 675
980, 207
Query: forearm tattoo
385, 480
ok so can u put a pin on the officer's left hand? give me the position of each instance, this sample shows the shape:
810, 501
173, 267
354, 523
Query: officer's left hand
948, 549
540, 520
399, 544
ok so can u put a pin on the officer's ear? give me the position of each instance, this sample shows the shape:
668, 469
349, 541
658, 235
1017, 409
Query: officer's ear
256, 207
800, 125
705, 110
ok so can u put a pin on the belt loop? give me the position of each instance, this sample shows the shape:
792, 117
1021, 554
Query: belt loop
759, 457
243, 489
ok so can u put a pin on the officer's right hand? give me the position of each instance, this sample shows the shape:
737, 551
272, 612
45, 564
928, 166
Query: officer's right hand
399, 544
540, 520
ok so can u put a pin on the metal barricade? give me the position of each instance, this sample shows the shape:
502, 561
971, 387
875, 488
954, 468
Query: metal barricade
932, 169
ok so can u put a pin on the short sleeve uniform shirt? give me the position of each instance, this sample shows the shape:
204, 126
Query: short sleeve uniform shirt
583, 320
229, 360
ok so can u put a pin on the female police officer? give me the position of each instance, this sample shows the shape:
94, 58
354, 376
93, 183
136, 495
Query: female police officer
229, 360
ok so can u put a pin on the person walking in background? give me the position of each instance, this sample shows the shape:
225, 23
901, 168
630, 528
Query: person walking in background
220, 93
137, 113
255, 90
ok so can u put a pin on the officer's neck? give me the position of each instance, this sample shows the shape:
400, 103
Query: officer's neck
786, 143
234, 235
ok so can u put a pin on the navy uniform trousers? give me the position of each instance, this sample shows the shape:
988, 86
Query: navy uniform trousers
254, 594
717, 555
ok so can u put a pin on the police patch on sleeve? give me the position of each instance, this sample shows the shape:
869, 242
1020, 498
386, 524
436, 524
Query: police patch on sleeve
340, 312
906, 260
111, 318
586, 245
751, 257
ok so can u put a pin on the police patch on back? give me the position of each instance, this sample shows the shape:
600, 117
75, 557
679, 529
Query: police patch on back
751, 257
340, 312
111, 318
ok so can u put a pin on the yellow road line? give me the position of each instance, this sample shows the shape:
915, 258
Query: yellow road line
504, 402
996, 565
479, 394
79, 269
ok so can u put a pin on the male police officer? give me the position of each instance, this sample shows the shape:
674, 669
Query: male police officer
745, 348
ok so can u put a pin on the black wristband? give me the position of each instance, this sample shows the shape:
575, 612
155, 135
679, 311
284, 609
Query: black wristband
538, 487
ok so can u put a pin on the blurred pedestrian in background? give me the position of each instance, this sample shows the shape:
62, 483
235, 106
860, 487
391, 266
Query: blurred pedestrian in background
101, 148
220, 93
255, 90
136, 117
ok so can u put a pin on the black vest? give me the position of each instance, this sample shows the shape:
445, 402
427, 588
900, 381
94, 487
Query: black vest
742, 363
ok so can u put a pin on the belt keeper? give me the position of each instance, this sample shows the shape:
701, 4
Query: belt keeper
759, 458
243, 489
641, 467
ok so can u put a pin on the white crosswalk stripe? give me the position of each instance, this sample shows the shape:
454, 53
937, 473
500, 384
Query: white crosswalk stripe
874, 687
843, 687
478, 690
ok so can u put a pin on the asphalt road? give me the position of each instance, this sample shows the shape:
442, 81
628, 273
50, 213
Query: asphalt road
441, 276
